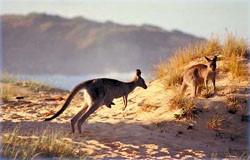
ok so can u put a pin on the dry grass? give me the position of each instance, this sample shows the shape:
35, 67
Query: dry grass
234, 46
7, 78
235, 103
9, 91
148, 107
216, 123
178, 101
36, 86
171, 70
187, 106
233, 88
238, 156
9, 86
48, 144
236, 68
207, 93
232, 50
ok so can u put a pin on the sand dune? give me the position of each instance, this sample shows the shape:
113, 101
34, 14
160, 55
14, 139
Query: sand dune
147, 129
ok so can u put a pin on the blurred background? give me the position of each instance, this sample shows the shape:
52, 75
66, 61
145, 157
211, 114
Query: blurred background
64, 42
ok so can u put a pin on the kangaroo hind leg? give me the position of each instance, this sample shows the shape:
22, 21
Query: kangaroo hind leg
90, 110
213, 80
183, 88
199, 89
195, 88
77, 116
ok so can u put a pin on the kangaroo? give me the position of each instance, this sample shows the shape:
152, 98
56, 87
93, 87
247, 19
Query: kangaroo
98, 92
199, 74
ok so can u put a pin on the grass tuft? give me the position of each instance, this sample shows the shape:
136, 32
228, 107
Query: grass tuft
234, 51
187, 106
207, 93
8, 91
36, 86
149, 107
237, 68
7, 78
216, 123
234, 103
48, 144
234, 46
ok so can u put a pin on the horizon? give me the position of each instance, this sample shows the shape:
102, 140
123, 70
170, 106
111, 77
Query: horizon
193, 18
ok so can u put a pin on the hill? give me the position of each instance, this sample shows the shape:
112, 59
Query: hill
49, 44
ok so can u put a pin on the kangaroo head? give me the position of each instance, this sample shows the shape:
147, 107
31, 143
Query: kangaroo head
212, 63
139, 80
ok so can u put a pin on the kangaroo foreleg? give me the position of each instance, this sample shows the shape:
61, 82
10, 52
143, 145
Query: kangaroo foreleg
110, 105
125, 101
206, 84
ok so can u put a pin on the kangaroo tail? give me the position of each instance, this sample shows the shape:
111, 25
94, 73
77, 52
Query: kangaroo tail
67, 102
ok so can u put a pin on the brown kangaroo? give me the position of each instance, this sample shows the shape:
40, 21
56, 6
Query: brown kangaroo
199, 74
98, 92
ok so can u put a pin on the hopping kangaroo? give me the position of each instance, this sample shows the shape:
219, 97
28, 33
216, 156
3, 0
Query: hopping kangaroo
199, 74
98, 92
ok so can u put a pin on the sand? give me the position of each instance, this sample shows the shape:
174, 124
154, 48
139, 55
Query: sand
139, 132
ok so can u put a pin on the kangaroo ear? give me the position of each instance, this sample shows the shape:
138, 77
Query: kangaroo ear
208, 59
215, 58
138, 72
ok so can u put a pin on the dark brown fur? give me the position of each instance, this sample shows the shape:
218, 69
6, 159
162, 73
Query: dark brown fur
98, 92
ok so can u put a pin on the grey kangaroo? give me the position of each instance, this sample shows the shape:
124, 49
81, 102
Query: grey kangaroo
199, 74
98, 92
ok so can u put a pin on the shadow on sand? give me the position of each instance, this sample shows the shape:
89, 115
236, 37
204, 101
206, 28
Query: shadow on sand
124, 140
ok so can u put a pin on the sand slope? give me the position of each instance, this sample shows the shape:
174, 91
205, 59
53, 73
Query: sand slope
139, 131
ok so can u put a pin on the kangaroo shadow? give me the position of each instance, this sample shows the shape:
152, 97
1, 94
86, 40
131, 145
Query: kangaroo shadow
122, 140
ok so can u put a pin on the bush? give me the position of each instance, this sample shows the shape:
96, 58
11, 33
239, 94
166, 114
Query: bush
187, 106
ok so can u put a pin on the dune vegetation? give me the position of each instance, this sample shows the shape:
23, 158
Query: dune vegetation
232, 50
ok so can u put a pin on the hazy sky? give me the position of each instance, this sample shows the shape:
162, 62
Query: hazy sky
198, 17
